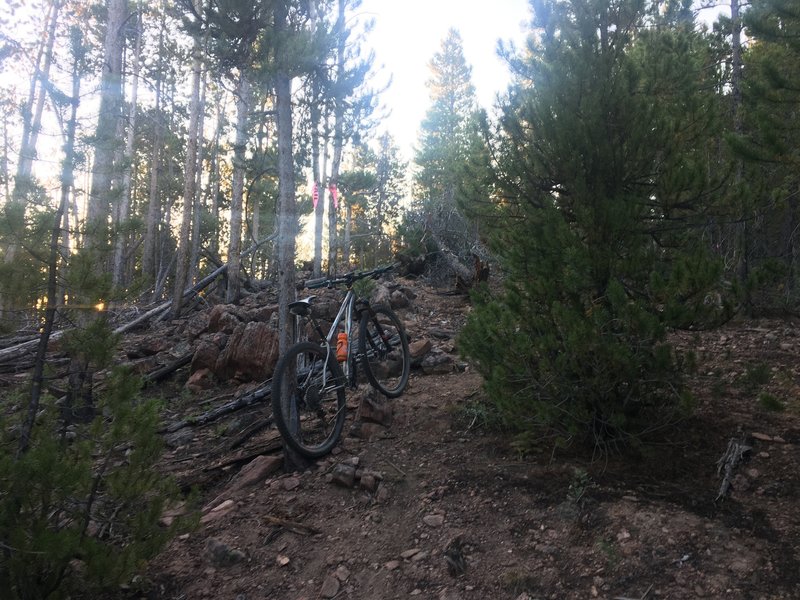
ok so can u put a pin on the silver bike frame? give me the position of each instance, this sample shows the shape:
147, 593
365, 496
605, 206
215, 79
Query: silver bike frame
346, 311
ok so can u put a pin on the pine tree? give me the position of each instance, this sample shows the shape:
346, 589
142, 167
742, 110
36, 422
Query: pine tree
450, 141
600, 180
765, 141
446, 128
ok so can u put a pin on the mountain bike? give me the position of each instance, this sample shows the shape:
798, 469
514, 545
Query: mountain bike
308, 386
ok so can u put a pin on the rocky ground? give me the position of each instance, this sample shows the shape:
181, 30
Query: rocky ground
422, 499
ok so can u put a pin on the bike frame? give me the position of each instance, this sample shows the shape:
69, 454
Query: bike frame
347, 309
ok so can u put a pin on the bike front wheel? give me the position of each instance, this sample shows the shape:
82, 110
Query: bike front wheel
308, 399
383, 349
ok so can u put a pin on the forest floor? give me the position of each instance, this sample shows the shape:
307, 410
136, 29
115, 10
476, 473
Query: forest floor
444, 508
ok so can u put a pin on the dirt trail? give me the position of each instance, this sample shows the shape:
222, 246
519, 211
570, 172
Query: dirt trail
443, 509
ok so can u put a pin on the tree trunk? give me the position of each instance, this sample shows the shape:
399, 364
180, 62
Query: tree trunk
348, 228
315, 118
31, 123
67, 180
105, 143
194, 257
154, 205
4, 162
125, 200
338, 131
32, 115
215, 176
189, 178
237, 190
742, 242
287, 211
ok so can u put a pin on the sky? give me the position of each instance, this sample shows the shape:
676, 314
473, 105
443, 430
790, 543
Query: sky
408, 33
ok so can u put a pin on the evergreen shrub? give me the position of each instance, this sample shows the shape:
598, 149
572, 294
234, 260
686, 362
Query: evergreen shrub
80, 509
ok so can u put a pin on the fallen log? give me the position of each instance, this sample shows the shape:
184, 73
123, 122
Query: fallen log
163, 372
249, 432
212, 415
17, 350
275, 442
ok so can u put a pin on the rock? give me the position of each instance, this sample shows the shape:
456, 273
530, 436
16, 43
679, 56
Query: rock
381, 295
437, 364
369, 431
261, 314
196, 325
420, 556
382, 495
342, 573
223, 318
256, 471
222, 555
441, 334
200, 380
392, 565
373, 411
179, 438
418, 349
398, 300
148, 347
406, 554
205, 356
291, 483
251, 353
330, 587
240, 423
436, 520
368, 482
344, 475
218, 511
409, 292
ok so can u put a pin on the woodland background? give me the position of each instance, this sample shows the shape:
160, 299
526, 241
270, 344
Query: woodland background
638, 177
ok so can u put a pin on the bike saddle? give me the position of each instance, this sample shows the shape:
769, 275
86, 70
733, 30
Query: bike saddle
301, 308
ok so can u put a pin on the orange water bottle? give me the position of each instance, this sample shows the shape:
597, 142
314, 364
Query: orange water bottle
341, 347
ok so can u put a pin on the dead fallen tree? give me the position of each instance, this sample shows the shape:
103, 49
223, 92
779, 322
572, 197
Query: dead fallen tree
162, 373
18, 350
253, 397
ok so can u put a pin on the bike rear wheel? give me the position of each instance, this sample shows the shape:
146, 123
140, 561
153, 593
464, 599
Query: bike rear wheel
383, 350
308, 399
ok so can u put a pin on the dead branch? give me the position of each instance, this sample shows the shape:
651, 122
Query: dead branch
299, 528
726, 465
163, 372
249, 432
273, 443
212, 415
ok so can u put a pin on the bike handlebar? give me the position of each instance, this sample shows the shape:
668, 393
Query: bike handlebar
349, 278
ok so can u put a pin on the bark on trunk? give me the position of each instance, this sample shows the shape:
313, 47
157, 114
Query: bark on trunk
154, 205
31, 123
184, 242
338, 132
237, 190
67, 180
105, 136
125, 200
